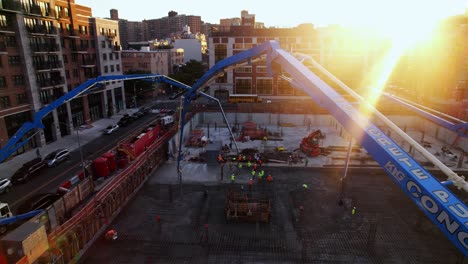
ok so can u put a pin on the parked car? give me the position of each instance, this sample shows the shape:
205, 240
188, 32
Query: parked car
28, 170
136, 115
56, 157
5, 185
37, 201
124, 121
111, 129
144, 110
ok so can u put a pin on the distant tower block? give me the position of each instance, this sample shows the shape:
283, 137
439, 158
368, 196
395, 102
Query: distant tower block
114, 14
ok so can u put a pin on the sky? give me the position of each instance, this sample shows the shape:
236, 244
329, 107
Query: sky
288, 13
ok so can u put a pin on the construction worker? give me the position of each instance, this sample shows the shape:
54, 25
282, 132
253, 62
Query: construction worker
261, 173
255, 166
220, 158
239, 158
239, 165
111, 235
253, 173
244, 158
306, 162
269, 178
305, 186
249, 164
353, 211
250, 184
233, 178
260, 176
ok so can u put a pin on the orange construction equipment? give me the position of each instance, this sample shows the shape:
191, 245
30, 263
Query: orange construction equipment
310, 145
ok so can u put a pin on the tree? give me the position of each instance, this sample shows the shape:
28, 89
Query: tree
189, 73
137, 87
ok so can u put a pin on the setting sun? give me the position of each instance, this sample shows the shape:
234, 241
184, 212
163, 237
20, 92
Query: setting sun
405, 24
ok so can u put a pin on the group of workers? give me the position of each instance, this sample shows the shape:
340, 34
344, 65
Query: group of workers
252, 163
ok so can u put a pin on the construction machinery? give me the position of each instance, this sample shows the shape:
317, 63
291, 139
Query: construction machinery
244, 208
197, 139
310, 145
252, 132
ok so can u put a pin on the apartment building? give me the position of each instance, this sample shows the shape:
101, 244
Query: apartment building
162, 61
108, 50
47, 48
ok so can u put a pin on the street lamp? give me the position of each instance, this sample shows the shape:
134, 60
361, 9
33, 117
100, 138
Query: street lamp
79, 146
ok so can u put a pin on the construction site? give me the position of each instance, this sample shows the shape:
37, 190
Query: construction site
326, 200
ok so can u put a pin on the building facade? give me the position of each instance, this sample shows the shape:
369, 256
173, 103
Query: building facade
47, 48
108, 50
163, 61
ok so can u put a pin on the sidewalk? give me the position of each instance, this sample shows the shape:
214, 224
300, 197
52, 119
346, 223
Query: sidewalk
8, 168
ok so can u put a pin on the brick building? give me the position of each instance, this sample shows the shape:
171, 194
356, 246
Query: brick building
47, 48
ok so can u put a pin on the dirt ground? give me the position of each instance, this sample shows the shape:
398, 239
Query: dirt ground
386, 228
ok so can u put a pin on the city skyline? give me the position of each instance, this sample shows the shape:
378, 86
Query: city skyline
317, 12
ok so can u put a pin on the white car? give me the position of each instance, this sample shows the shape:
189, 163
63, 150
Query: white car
5, 185
111, 129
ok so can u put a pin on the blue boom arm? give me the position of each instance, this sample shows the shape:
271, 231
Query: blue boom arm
15, 141
13, 219
453, 124
441, 206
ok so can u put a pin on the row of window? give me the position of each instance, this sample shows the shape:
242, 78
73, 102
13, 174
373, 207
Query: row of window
248, 69
5, 100
112, 68
111, 56
18, 80
264, 87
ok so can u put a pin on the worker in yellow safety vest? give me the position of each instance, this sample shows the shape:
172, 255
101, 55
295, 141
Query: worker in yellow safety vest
233, 178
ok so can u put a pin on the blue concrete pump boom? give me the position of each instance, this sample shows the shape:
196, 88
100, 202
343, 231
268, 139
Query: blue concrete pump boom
442, 207
17, 141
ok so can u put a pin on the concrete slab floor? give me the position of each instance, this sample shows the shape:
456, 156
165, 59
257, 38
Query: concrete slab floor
387, 227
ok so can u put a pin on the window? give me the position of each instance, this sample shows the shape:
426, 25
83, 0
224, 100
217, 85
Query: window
104, 56
3, 83
118, 67
261, 69
83, 30
106, 69
4, 102
76, 73
110, 56
74, 57
243, 86
116, 56
65, 58
112, 68
21, 98
18, 80
14, 60
220, 52
3, 21
264, 86
284, 87
67, 74
243, 69
103, 44
11, 41
44, 97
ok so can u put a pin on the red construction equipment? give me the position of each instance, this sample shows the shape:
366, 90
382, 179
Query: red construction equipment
197, 139
250, 131
310, 145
